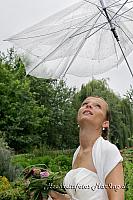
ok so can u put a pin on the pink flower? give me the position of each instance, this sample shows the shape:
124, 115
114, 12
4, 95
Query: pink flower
44, 174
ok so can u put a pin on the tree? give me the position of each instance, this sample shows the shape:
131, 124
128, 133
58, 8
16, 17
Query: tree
21, 116
36, 112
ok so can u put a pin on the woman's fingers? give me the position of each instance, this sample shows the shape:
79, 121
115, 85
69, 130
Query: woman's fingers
56, 195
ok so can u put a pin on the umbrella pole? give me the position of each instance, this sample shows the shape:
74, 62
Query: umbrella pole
115, 34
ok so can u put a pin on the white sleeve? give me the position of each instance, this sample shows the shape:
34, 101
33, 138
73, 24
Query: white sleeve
105, 157
111, 157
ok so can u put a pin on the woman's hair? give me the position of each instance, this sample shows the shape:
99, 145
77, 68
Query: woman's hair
105, 131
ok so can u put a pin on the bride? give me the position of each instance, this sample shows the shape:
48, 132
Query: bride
97, 171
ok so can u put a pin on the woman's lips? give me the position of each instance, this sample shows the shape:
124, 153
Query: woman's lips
87, 112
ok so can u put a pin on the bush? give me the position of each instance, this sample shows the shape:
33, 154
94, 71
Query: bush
128, 172
61, 163
6, 167
28, 159
4, 183
55, 163
14, 192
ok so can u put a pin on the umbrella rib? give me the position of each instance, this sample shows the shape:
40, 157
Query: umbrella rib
98, 29
71, 27
120, 4
124, 33
110, 20
47, 33
55, 50
125, 59
113, 4
80, 47
101, 6
99, 44
116, 14
120, 9
98, 7
104, 24
92, 3
52, 16
36, 36
39, 35
123, 52
63, 57
121, 15
116, 37
124, 13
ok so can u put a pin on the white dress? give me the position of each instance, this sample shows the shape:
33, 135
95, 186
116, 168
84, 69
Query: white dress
83, 184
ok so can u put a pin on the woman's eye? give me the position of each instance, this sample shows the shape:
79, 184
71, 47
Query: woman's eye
83, 104
98, 105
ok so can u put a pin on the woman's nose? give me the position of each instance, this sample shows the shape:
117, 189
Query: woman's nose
88, 105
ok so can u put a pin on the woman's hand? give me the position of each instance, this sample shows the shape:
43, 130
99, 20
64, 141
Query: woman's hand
58, 196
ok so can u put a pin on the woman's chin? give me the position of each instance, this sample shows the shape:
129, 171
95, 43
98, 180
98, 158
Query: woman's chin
86, 120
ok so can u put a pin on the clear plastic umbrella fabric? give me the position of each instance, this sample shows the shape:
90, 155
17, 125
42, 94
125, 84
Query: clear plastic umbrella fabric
78, 40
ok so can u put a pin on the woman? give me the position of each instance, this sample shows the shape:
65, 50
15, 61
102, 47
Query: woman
97, 171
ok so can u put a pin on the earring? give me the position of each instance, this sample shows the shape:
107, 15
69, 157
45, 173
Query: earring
78, 126
103, 129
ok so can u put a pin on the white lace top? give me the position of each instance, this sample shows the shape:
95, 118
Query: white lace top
83, 184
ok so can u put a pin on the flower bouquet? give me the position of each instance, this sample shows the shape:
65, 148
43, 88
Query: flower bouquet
39, 180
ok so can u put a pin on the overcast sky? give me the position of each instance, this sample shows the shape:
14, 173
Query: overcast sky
16, 15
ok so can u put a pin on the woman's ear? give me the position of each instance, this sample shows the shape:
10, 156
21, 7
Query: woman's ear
105, 124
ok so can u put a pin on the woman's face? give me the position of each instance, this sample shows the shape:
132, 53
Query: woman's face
93, 110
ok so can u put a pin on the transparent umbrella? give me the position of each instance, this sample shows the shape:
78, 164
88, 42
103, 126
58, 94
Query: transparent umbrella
88, 38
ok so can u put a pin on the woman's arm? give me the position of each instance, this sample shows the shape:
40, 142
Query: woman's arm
58, 196
114, 182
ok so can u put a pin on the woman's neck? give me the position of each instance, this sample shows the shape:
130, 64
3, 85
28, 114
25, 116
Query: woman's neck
87, 137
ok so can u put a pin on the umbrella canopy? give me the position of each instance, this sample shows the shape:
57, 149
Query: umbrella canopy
78, 40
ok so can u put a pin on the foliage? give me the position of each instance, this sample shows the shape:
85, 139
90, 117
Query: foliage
21, 116
37, 113
62, 162
6, 167
57, 97
129, 95
128, 172
16, 191
55, 163
4, 183
33, 112
40, 180
127, 154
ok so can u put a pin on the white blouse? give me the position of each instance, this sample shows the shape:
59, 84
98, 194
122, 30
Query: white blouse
83, 184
